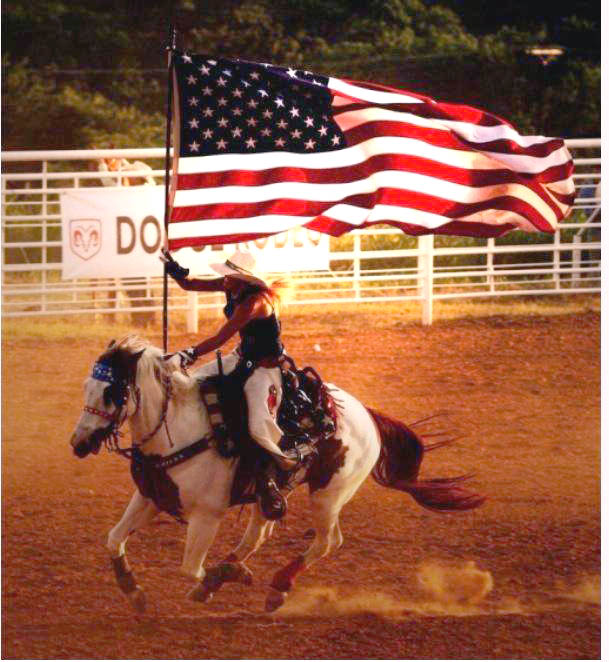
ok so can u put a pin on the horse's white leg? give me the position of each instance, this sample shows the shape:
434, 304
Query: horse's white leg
138, 513
202, 529
326, 505
259, 530
233, 568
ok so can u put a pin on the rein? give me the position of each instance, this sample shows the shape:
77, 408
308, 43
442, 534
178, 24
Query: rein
117, 419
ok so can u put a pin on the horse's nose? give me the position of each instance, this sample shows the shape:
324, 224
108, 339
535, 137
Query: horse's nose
73, 440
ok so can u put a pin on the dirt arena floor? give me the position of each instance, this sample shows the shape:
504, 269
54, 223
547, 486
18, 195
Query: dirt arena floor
517, 578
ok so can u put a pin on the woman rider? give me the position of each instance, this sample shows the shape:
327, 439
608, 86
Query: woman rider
251, 310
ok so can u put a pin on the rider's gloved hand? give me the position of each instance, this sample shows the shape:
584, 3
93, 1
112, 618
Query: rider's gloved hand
176, 271
186, 357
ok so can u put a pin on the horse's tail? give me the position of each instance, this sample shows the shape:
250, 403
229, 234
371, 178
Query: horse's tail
399, 463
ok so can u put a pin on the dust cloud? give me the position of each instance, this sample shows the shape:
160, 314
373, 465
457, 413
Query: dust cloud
437, 589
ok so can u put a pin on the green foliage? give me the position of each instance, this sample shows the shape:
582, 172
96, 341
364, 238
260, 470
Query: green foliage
65, 117
92, 72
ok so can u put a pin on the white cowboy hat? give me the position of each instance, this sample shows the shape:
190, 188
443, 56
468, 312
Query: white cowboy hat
240, 265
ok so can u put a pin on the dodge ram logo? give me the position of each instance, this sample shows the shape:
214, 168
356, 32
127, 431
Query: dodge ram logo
85, 237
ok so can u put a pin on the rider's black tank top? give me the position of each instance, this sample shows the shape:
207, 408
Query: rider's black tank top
260, 338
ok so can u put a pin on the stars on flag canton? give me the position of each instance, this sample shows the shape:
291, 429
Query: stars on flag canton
234, 106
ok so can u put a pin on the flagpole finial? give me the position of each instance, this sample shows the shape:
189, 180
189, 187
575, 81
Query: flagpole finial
172, 35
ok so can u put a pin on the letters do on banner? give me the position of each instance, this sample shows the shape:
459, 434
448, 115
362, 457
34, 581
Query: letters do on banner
118, 233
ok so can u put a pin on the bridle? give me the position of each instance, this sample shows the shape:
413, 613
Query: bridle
110, 435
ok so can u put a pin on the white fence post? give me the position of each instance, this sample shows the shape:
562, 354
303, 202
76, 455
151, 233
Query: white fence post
426, 246
490, 263
577, 261
556, 260
357, 264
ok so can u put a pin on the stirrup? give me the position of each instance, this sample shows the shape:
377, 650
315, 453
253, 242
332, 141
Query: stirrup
272, 503
301, 453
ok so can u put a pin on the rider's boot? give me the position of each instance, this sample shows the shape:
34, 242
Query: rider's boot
272, 503
293, 465
302, 454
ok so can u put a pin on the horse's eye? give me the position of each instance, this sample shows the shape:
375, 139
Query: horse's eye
108, 395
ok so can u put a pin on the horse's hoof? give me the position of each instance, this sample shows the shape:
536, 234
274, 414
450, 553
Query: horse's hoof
274, 599
137, 598
200, 593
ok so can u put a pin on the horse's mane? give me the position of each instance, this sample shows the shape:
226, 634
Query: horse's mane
151, 362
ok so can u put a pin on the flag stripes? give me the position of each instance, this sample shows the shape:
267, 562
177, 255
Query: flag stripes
355, 155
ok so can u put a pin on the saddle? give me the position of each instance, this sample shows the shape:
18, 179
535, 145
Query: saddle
307, 415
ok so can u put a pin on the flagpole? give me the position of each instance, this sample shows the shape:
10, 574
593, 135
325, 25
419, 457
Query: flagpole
171, 46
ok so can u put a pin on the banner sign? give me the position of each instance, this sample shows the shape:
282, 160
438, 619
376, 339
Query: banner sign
118, 233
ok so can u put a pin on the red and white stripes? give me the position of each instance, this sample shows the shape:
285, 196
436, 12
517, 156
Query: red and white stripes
410, 162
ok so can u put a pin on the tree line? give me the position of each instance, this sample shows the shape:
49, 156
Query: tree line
92, 73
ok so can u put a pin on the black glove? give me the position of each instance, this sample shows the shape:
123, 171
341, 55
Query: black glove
176, 271
187, 357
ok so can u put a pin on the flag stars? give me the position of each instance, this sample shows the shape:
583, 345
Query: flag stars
223, 122
194, 123
206, 91
237, 111
267, 114
236, 132
186, 58
193, 101
251, 121
252, 103
310, 144
254, 75
207, 112
323, 130
294, 112
237, 93
221, 82
279, 102
221, 144
251, 143
191, 79
207, 134
204, 70
263, 93
266, 132
291, 73
335, 140
194, 146
308, 121
296, 134
222, 101
280, 142
227, 72
282, 124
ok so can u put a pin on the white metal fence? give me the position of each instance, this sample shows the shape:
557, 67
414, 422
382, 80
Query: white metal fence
366, 265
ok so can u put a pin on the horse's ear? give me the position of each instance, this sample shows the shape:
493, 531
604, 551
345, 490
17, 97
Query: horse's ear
134, 358
111, 344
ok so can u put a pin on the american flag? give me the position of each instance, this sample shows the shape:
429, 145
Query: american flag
260, 149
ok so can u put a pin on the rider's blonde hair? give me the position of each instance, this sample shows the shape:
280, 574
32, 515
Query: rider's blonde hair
280, 291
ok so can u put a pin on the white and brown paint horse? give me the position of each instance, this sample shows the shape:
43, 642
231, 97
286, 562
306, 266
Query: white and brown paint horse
132, 383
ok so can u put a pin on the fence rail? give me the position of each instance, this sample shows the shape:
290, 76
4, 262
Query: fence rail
426, 270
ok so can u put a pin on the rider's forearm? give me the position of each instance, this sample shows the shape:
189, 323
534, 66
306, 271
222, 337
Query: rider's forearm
208, 345
202, 285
